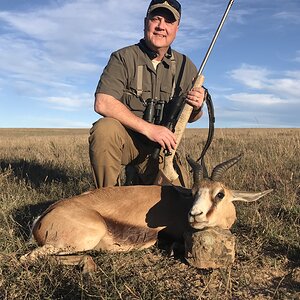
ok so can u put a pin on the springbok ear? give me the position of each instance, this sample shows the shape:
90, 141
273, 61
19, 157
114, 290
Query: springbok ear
248, 196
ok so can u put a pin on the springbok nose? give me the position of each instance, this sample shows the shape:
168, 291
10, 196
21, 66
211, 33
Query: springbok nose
195, 213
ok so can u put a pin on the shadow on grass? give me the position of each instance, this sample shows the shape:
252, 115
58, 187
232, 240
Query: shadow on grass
34, 173
25, 215
274, 246
37, 176
47, 179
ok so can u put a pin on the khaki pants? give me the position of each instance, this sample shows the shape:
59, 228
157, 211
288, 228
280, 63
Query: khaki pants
112, 146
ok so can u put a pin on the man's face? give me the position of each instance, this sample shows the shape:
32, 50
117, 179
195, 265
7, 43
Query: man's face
160, 29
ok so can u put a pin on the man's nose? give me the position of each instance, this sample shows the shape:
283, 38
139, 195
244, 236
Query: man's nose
161, 24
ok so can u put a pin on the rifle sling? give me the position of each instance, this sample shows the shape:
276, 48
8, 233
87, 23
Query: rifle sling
211, 117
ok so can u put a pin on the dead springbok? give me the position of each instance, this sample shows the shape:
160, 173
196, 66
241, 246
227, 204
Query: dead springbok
130, 217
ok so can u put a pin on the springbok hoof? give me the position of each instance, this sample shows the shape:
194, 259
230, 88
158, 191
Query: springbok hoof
88, 265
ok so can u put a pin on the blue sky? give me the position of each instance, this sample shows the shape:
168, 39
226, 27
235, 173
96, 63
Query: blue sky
52, 53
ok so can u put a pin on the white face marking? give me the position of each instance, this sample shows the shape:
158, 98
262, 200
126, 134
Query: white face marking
201, 206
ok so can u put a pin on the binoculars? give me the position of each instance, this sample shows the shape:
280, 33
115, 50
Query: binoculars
154, 111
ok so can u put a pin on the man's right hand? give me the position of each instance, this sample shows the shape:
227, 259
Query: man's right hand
161, 135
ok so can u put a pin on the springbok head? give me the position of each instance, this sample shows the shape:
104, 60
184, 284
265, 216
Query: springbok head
213, 200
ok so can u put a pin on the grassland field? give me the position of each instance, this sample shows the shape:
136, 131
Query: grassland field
39, 166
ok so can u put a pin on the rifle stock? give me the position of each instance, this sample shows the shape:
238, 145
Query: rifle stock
168, 168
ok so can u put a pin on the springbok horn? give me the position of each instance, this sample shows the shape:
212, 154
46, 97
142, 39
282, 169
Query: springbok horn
220, 169
197, 169
205, 173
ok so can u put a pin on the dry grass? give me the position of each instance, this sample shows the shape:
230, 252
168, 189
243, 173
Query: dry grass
40, 166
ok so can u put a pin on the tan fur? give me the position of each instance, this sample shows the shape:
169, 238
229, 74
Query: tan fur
113, 218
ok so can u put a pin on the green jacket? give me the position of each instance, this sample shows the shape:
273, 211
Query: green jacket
120, 77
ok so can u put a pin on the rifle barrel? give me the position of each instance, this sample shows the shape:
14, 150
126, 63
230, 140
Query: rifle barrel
215, 38
156, 151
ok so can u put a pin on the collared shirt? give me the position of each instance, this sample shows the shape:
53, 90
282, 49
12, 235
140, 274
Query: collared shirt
120, 76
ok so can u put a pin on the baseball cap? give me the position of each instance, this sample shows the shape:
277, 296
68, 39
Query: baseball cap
172, 5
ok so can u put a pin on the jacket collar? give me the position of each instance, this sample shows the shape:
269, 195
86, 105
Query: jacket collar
152, 54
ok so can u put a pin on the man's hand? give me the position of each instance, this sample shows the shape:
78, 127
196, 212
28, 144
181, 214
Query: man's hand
161, 135
195, 97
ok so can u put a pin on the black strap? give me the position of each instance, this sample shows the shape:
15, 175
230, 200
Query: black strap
211, 117
177, 89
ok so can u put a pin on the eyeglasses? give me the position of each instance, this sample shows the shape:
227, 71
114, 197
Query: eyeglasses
175, 4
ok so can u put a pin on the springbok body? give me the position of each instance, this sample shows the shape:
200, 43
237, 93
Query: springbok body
114, 218
130, 217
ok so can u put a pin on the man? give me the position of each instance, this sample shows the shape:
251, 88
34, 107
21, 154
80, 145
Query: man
133, 75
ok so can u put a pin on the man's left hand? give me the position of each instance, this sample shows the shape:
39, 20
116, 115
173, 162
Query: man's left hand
195, 97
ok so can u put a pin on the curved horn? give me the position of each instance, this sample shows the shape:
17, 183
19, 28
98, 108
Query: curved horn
220, 169
199, 169
196, 169
205, 173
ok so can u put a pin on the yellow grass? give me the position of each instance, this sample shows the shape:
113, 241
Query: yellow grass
38, 166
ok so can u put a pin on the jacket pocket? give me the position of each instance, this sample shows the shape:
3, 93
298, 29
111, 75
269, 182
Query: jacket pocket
166, 91
134, 103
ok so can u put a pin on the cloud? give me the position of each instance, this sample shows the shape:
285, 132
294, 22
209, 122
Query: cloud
269, 98
256, 99
199, 30
288, 16
69, 103
297, 59
78, 25
27, 68
251, 76
56, 44
284, 84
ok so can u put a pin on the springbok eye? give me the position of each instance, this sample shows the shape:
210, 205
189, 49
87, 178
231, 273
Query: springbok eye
220, 195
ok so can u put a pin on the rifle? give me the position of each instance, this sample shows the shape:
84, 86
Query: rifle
180, 113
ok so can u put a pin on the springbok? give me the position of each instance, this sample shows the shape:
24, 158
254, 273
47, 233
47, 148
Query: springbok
122, 218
